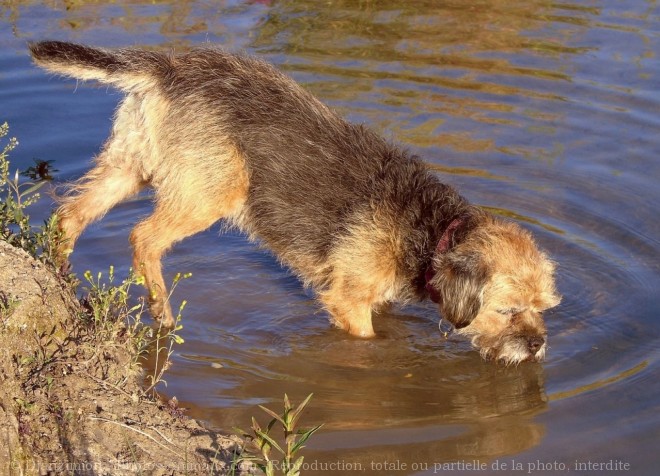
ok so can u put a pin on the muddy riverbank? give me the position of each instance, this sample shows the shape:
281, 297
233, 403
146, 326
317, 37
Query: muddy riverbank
71, 399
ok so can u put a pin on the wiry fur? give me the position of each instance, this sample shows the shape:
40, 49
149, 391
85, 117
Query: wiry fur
226, 136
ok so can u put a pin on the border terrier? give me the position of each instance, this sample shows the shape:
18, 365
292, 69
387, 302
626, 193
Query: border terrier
222, 136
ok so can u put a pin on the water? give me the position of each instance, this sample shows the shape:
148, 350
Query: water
544, 112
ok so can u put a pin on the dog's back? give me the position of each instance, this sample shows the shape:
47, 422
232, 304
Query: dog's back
311, 176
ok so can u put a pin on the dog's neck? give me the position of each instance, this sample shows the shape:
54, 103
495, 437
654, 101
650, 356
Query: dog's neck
445, 243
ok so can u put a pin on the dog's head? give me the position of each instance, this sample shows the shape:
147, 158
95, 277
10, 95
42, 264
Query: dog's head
493, 287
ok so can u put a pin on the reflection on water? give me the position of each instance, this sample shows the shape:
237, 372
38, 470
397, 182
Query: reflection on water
432, 400
543, 112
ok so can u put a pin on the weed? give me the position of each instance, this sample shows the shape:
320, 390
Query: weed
106, 304
163, 341
8, 303
15, 227
86, 350
264, 442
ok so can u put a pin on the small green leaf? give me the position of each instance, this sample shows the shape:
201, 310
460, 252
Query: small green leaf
33, 188
262, 467
304, 437
294, 470
241, 432
255, 425
298, 411
271, 441
270, 426
272, 413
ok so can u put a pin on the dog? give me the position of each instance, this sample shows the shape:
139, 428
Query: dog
365, 223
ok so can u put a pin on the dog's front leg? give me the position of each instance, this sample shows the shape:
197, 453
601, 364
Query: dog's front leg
353, 316
363, 278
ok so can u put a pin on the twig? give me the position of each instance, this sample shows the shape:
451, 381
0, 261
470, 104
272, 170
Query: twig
92, 417
163, 437
105, 382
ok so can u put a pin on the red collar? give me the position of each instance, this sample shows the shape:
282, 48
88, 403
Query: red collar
443, 246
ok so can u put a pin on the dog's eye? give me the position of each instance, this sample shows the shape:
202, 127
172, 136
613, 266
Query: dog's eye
509, 312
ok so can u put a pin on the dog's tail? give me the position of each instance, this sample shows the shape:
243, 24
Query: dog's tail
127, 69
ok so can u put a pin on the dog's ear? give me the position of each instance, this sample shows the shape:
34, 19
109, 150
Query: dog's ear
460, 279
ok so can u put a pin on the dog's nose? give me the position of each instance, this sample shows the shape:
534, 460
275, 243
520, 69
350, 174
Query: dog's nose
535, 343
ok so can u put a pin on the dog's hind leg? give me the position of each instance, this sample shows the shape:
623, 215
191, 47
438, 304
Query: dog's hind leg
187, 205
152, 238
92, 196
118, 174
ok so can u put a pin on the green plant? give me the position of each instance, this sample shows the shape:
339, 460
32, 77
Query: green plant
15, 227
164, 340
7, 305
264, 442
108, 313
106, 303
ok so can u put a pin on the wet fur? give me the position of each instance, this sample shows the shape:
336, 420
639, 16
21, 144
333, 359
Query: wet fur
227, 136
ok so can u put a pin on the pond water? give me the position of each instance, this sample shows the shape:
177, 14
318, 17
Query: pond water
545, 112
